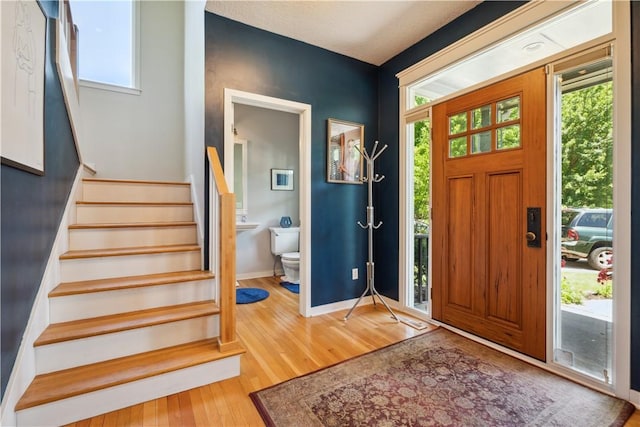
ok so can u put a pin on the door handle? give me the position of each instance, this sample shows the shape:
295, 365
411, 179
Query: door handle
534, 227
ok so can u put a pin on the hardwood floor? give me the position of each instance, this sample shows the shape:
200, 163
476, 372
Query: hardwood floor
280, 345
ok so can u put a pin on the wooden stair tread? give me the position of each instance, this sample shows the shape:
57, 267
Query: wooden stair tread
80, 202
134, 181
101, 285
66, 331
59, 385
138, 250
133, 225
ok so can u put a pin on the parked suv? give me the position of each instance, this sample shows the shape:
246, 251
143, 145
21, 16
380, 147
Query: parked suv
588, 233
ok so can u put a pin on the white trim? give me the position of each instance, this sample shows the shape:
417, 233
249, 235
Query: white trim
68, 84
319, 310
258, 274
136, 62
24, 368
405, 248
109, 87
232, 96
517, 21
634, 397
622, 197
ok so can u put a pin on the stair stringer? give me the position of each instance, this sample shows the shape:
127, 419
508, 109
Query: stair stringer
92, 403
24, 368
121, 396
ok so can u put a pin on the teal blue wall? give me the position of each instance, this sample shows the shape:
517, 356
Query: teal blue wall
389, 110
248, 59
31, 209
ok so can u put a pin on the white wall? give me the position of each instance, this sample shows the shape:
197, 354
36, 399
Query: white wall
194, 100
273, 143
141, 136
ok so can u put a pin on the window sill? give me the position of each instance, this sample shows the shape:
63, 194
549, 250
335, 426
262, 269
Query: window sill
110, 87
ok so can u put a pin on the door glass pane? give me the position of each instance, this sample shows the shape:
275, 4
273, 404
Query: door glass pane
457, 123
481, 142
508, 110
508, 137
458, 147
421, 212
481, 117
586, 276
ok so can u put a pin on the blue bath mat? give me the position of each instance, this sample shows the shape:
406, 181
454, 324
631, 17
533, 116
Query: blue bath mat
293, 287
249, 295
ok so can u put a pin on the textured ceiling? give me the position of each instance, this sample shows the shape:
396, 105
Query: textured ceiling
371, 31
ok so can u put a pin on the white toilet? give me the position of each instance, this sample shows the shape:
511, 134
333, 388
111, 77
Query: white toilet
284, 242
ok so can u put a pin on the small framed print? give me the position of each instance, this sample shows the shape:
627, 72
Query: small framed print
282, 179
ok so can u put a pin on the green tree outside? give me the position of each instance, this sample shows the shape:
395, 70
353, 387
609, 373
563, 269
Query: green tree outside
587, 147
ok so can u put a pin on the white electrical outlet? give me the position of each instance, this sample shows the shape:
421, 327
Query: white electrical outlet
354, 274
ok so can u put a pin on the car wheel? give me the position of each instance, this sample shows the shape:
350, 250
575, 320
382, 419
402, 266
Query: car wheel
600, 258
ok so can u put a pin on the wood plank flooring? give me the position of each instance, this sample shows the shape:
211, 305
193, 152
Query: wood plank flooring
280, 345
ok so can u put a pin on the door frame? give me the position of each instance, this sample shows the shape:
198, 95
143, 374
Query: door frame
231, 97
511, 24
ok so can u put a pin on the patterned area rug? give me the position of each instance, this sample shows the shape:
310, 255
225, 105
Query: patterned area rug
436, 379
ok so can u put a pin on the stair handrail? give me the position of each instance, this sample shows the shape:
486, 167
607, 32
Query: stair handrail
222, 244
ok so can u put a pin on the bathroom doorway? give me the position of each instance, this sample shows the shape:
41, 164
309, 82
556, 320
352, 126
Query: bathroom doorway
249, 118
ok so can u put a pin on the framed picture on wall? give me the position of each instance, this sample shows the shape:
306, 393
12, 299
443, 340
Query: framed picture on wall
282, 179
344, 142
23, 54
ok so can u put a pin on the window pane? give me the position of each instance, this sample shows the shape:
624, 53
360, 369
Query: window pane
105, 51
457, 123
578, 25
416, 100
508, 110
508, 137
481, 142
481, 117
458, 147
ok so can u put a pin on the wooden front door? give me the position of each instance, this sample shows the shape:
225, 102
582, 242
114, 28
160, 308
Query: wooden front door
489, 155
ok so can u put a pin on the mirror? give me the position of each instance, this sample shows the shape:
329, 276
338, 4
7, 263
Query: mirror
344, 162
240, 175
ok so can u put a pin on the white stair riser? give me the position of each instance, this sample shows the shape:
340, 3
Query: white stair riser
104, 238
84, 351
81, 306
99, 402
93, 191
116, 214
73, 270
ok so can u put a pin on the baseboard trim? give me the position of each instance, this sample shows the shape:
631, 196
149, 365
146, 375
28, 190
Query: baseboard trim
24, 368
258, 274
634, 397
348, 304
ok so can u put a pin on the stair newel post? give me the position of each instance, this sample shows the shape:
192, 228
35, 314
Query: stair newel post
227, 253
223, 257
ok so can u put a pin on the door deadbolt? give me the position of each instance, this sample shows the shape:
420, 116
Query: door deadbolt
534, 227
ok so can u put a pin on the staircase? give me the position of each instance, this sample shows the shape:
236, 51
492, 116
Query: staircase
134, 317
